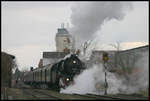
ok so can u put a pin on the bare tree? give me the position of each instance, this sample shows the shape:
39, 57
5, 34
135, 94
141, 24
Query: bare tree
86, 45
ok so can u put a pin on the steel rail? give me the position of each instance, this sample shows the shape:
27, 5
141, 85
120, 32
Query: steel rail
99, 97
123, 97
42, 92
36, 94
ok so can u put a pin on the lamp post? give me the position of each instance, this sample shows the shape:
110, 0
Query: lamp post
105, 59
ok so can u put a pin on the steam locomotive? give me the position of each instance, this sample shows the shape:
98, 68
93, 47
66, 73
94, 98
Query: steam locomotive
57, 75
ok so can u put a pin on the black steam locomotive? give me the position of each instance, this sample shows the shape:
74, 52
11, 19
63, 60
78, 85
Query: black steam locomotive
58, 75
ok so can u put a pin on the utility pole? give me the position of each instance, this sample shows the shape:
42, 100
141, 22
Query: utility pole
105, 59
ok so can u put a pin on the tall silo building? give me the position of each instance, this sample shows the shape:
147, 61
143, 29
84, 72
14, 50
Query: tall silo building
63, 40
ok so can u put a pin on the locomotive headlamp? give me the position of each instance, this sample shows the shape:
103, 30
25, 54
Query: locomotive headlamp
67, 79
74, 61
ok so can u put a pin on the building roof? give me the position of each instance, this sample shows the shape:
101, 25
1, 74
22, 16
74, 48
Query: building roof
4, 53
62, 31
146, 47
54, 54
113, 51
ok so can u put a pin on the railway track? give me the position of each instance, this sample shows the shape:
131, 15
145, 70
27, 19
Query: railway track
132, 96
39, 95
106, 97
114, 97
98, 97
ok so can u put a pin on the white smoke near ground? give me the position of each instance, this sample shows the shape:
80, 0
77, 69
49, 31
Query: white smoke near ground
88, 17
92, 79
83, 83
86, 82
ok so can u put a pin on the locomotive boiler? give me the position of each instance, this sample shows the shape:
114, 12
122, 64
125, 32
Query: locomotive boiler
57, 75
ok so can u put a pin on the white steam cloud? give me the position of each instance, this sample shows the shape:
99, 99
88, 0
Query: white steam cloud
87, 18
87, 81
91, 79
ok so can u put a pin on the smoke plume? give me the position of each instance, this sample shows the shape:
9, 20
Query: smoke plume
87, 18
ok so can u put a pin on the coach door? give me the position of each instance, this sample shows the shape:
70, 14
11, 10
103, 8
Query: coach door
41, 75
45, 75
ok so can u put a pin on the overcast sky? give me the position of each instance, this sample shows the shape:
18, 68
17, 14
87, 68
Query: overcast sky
29, 28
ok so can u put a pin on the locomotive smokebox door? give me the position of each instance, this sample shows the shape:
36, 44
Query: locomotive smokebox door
105, 56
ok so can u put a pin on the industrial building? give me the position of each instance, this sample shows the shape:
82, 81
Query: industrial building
128, 58
120, 59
